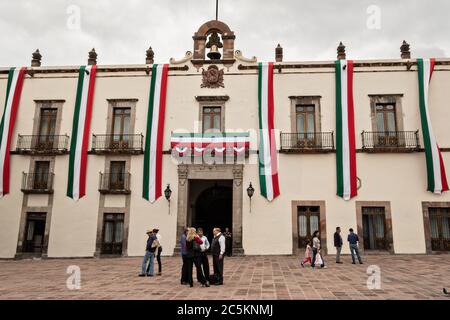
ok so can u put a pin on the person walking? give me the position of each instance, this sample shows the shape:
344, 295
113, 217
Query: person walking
316, 248
338, 244
184, 257
149, 256
193, 243
218, 248
353, 240
308, 254
204, 263
228, 242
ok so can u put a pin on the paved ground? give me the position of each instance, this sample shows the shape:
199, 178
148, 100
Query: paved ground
262, 277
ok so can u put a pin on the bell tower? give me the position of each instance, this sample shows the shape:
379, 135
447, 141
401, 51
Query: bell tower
213, 35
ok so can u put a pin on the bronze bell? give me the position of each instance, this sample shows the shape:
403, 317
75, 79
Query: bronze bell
214, 53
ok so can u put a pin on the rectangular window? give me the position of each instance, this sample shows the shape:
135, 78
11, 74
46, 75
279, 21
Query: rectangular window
440, 229
117, 175
385, 115
112, 239
212, 119
308, 221
374, 228
120, 126
47, 127
34, 232
41, 175
305, 117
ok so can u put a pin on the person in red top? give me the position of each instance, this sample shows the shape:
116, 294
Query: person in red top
193, 242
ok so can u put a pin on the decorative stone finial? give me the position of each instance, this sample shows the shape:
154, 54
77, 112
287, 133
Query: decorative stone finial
341, 51
149, 56
36, 59
405, 52
279, 53
92, 57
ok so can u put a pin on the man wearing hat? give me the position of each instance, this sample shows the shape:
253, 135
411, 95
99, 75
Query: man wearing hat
152, 244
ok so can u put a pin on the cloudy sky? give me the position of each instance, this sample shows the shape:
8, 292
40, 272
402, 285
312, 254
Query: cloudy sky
121, 30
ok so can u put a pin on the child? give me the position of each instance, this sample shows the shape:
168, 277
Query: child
308, 254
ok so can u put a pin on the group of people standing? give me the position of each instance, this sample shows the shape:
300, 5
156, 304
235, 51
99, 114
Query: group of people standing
194, 247
313, 255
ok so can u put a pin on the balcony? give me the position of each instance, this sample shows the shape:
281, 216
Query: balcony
42, 144
117, 144
115, 183
308, 142
390, 141
37, 183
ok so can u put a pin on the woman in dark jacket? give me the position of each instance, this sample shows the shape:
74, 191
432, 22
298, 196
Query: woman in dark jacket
193, 243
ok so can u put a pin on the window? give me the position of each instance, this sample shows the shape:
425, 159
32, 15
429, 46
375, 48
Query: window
112, 239
47, 127
117, 175
308, 222
212, 118
374, 228
41, 175
34, 233
120, 126
385, 115
305, 116
440, 229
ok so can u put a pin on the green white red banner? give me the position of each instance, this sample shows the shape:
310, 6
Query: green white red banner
268, 166
437, 180
345, 131
13, 93
152, 182
76, 186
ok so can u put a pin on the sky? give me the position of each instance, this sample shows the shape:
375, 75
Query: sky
122, 30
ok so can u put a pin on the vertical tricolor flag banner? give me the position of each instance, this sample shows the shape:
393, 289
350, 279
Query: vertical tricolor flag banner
13, 92
76, 187
268, 166
152, 184
345, 131
437, 180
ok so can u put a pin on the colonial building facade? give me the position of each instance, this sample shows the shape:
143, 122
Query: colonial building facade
211, 151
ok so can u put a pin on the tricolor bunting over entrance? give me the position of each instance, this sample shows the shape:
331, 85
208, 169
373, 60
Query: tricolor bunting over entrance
345, 131
13, 92
152, 183
268, 166
437, 180
76, 187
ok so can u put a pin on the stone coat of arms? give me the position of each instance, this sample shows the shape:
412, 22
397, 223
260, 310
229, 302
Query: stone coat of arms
212, 78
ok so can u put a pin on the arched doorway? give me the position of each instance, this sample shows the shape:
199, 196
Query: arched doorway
212, 205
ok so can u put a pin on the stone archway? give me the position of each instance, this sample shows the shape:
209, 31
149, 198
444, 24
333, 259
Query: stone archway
232, 172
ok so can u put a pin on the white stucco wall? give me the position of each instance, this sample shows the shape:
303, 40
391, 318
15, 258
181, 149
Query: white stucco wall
398, 178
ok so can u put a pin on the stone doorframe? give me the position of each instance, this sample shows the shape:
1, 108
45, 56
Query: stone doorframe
322, 223
233, 172
388, 224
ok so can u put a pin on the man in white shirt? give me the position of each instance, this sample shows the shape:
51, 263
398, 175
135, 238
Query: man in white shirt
218, 251
203, 255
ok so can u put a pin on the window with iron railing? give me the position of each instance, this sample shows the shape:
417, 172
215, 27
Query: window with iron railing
391, 140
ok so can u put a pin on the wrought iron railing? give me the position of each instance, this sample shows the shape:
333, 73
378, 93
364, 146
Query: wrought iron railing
118, 143
319, 141
37, 182
42, 143
115, 182
390, 140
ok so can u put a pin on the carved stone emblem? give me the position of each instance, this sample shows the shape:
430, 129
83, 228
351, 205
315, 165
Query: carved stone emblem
212, 78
